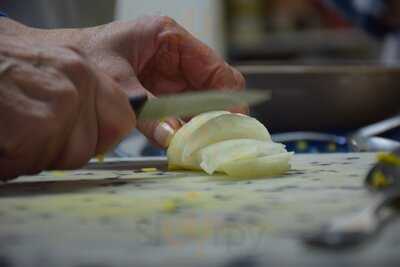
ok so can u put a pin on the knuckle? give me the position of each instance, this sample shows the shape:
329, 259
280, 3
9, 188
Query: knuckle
73, 61
76, 50
54, 119
166, 21
64, 96
12, 69
79, 70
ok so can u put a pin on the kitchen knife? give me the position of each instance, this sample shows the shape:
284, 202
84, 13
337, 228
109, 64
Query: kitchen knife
193, 103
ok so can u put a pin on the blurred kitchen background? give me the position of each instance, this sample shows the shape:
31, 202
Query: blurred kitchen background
333, 65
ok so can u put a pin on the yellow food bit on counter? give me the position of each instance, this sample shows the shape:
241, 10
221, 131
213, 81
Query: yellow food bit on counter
100, 158
170, 206
379, 180
192, 195
389, 158
149, 169
302, 145
58, 173
332, 147
172, 167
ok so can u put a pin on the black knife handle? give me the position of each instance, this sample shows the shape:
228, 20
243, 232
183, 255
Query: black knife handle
137, 103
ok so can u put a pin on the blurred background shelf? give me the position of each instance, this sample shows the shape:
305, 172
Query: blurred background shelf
308, 46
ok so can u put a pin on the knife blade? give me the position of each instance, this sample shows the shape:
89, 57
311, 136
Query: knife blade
193, 103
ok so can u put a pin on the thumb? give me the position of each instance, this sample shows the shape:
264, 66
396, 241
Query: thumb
158, 132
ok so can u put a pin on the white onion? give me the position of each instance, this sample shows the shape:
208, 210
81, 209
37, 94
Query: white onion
213, 156
234, 144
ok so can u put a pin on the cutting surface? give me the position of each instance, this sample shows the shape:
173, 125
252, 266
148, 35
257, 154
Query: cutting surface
128, 218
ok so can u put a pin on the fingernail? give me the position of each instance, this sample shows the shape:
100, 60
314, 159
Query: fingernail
163, 134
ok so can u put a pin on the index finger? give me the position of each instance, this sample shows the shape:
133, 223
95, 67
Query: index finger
201, 66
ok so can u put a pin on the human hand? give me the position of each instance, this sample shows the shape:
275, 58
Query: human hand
152, 55
162, 56
156, 56
56, 109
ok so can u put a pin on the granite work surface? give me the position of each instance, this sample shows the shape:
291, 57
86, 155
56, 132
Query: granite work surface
148, 217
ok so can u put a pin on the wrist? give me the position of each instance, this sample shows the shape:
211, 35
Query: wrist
72, 37
11, 27
57, 36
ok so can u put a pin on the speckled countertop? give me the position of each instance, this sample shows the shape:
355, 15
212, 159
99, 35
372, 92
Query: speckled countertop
136, 218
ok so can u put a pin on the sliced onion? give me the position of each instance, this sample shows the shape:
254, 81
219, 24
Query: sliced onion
182, 137
234, 144
224, 127
258, 167
213, 156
